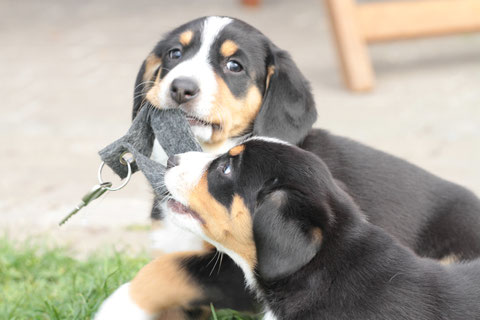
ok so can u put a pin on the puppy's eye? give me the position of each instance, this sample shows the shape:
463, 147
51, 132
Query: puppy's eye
234, 66
175, 54
227, 169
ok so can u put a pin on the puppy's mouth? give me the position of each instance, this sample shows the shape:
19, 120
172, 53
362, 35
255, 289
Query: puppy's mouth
179, 208
195, 121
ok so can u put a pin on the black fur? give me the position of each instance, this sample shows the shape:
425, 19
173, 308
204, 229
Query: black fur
288, 111
358, 271
434, 217
214, 283
431, 216
278, 251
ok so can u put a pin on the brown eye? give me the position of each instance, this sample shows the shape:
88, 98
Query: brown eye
234, 66
175, 54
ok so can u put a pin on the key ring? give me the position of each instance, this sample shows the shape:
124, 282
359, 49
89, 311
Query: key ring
125, 159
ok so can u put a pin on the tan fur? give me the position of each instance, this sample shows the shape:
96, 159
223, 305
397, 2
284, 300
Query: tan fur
233, 114
152, 94
235, 151
186, 37
228, 48
163, 284
233, 229
449, 259
151, 64
270, 72
317, 235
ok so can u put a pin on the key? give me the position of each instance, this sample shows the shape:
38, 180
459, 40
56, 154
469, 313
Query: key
94, 194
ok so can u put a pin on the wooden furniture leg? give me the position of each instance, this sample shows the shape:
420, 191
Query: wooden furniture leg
351, 47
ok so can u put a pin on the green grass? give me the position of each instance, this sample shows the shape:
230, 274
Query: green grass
37, 282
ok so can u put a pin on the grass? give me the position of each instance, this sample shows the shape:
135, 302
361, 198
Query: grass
37, 282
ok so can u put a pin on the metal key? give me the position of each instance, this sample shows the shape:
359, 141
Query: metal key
94, 194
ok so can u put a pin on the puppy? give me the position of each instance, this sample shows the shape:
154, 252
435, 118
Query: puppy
303, 245
245, 86
232, 82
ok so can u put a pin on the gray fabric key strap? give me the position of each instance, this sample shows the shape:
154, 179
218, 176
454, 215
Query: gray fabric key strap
169, 127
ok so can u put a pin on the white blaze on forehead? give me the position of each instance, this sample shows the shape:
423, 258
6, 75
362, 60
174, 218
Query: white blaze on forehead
198, 68
181, 179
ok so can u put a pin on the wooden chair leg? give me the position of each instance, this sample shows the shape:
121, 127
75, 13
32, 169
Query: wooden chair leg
351, 47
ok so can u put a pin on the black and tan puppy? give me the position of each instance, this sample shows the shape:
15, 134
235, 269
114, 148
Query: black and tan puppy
304, 245
233, 82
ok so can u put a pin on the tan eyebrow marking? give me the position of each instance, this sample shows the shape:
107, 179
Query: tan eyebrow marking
186, 37
235, 151
228, 48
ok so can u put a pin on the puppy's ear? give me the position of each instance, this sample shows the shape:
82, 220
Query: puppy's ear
288, 110
145, 77
284, 244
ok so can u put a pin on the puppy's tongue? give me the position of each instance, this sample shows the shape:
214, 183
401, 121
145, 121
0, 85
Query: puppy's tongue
196, 122
177, 207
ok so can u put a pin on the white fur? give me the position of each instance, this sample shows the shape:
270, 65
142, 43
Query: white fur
202, 133
269, 139
120, 306
180, 179
184, 221
198, 68
224, 147
169, 238
269, 316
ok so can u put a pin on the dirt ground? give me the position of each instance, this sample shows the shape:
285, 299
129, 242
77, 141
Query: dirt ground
67, 70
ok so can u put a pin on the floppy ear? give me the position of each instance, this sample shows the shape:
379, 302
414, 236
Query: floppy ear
144, 81
288, 110
283, 244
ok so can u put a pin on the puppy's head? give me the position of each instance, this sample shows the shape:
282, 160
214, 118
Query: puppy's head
265, 203
229, 79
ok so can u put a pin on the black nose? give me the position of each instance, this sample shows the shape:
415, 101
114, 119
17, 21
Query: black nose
172, 161
183, 89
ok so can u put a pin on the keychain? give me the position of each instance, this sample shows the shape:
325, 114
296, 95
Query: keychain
102, 187
132, 152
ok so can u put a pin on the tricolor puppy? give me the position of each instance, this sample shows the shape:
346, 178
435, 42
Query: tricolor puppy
231, 81
303, 244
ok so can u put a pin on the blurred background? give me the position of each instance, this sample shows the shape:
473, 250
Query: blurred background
67, 70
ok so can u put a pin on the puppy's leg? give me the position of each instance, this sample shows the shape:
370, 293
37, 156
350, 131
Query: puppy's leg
453, 229
180, 286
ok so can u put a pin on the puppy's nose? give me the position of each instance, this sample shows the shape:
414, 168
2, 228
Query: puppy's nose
183, 89
172, 161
